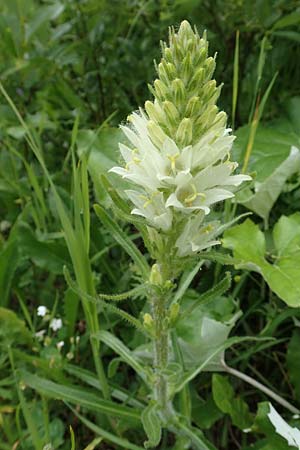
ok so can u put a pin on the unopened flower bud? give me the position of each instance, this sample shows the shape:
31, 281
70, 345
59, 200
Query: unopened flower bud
185, 30
155, 275
207, 118
174, 311
177, 50
147, 320
193, 107
187, 67
179, 91
161, 90
209, 66
221, 119
168, 54
191, 46
166, 71
213, 99
154, 111
157, 135
202, 54
209, 89
171, 112
197, 80
184, 133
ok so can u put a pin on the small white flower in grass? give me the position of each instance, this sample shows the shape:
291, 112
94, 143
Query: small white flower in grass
60, 345
55, 324
42, 311
40, 334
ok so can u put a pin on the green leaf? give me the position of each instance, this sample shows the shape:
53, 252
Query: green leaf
124, 241
293, 361
113, 342
152, 425
261, 201
71, 304
78, 396
228, 403
90, 379
9, 260
272, 142
249, 247
50, 255
213, 293
204, 413
121, 442
13, 329
216, 353
102, 149
288, 20
196, 436
42, 16
94, 443
203, 326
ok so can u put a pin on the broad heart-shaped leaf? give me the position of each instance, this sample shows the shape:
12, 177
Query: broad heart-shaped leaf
249, 247
275, 428
229, 403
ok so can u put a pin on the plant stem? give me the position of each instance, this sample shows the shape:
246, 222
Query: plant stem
161, 342
262, 388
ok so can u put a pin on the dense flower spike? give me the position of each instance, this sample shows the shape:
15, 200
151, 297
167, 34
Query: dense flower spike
178, 154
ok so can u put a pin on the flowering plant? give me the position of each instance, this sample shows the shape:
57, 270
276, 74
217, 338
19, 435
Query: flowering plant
178, 152
177, 160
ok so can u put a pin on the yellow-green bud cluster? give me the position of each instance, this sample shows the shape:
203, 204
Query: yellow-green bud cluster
185, 96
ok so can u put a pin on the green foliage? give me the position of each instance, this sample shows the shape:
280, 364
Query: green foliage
152, 425
293, 361
228, 403
13, 329
249, 247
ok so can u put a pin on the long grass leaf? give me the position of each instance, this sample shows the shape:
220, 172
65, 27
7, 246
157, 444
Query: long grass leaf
123, 443
78, 396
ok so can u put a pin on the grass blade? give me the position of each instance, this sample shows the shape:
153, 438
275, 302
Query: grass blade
79, 396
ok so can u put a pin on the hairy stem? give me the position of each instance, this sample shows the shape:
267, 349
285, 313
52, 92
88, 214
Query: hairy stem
159, 306
160, 349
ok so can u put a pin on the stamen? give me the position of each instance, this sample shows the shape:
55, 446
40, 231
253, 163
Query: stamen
172, 159
192, 197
